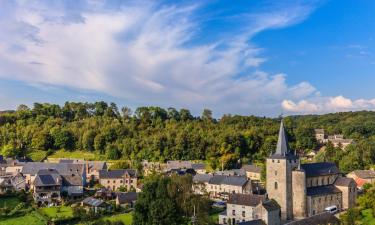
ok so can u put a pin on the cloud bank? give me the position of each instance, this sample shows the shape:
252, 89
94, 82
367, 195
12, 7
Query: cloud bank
149, 53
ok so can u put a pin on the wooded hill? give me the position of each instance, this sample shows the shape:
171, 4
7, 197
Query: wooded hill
159, 134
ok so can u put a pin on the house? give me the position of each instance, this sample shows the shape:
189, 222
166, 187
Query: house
104, 193
337, 140
246, 207
150, 167
185, 165
126, 199
30, 169
219, 186
92, 167
362, 177
72, 185
5, 184
12, 183
47, 187
199, 168
96, 205
114, 179
305, 190
253, 172
232, 172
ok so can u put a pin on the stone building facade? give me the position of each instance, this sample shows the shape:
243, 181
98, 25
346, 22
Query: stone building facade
304, 190
114, 179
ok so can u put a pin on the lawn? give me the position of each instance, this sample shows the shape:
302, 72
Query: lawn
76, 155
367, 218
9, 202
31, 218
126, 218
57, 212
214, 214
37, 155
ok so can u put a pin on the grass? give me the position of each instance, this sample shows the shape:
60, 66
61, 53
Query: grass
9, 202
57, 212
367, 217
214, 214
37, 155
76, 155
126, 218
31, 218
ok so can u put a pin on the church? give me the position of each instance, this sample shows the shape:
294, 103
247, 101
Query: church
304, 190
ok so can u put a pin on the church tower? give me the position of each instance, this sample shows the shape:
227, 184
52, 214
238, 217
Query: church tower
279, 167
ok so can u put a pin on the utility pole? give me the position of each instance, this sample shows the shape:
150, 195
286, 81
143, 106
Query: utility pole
193, 217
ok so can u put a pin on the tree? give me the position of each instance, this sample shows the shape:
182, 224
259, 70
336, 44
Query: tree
88, 140
42, 141
207, 115
99, 143
63, 139
185, 115
112, 152
126, 112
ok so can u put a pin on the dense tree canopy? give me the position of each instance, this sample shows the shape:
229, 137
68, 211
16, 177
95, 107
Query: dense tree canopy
159, 134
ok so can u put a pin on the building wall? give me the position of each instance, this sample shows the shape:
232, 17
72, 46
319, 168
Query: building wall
299, 193
317, 204
238, 212
279, 173
320, 180
253, 175
349, 195
114, 184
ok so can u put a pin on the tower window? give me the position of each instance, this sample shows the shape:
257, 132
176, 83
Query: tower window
278, 161
275, 172
276, 185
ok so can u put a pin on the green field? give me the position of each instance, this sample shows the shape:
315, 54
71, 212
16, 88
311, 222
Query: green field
76, 155
57, 212
29, 219
9, 202
37, 155
126, 218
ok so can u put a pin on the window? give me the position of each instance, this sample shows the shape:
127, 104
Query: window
114, 181
243, 213
108, 181
331, 197
322, 181
121, 181
313, 212
275, 172
320, 200
278, 161
275, 185
224, 220
233, 212
273, 160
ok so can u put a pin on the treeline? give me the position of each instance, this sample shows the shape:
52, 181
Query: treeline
159, 134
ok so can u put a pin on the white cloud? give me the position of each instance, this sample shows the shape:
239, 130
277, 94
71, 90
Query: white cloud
144, 53
328, 104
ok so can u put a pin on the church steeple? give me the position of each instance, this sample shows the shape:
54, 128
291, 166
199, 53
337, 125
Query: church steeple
282, 147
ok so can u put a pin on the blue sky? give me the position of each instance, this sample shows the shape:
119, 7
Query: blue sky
251, 57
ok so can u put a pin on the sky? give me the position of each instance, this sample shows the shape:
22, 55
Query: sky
244, 57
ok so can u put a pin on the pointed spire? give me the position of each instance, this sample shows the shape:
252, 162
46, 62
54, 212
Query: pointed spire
282, 143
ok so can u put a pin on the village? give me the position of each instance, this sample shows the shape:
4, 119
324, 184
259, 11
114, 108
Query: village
291, 193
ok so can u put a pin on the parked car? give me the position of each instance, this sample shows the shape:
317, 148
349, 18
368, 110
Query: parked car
331, 209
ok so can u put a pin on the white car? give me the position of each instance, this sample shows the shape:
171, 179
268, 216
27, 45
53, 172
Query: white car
331, 209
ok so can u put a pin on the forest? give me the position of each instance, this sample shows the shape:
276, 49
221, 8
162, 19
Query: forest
158, 134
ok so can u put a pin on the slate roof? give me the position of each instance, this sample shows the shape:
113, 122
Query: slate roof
32, 168
282, 147
97, 165
93, 202
233, 172
320, 169
322, 190
198, 166
177, 164
116, 174
344, 181
252, 168
72, 180
271, 205
253, 222
245, 199
365, 174
202, 178
47, 177
126, 197
229, 180
319, 219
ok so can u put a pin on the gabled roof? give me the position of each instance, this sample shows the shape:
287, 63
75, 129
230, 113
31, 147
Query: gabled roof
116, 174
202, 178
198, 166
47, 177
126, 197
72, 180
271, 205
322, 190
97, 165
252, 168
229, 180
93, 202
344, 181
232, 172
32, 168
320, 169
245, 199
365, 174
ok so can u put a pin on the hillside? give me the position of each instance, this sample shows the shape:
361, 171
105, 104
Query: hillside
103, 131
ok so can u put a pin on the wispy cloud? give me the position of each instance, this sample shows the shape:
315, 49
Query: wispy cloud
145, 52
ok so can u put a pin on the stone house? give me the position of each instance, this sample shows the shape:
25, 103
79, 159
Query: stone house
12, 183
219, 186
72, 185
92, 167
47, 187
199, 168
126, 199
362, 177
114, 179
95, 205
253, 172
304, 190
245, 207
